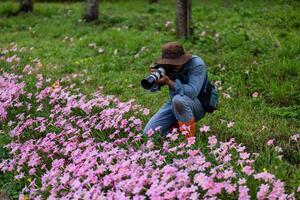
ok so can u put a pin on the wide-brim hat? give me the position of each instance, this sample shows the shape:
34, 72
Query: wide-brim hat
173, 54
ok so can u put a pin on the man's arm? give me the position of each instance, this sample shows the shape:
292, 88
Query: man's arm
196, 78
165, 80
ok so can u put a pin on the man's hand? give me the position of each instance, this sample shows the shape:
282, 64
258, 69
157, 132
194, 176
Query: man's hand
165, 80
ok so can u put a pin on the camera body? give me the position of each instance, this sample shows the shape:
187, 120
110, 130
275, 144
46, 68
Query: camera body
149, 81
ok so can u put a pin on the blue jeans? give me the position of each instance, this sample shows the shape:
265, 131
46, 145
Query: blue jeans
179, 108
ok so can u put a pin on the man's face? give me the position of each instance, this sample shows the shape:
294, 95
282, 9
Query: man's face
177, 68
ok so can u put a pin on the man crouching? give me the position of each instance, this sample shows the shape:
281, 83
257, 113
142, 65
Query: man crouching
186, 76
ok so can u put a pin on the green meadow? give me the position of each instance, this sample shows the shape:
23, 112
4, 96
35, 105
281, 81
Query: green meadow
249, 46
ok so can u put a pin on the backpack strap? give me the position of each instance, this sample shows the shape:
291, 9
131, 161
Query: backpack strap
204, 85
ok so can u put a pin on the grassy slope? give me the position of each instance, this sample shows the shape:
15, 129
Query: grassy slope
264, 32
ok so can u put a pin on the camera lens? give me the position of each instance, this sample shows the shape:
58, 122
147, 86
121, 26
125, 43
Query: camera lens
148, 82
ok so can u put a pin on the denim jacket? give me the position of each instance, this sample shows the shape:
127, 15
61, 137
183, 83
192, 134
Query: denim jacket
192, 78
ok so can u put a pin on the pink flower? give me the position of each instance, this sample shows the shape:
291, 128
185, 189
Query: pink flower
229, 173
19, 176
170, 195
191, 140
62, 151
277, 191
204, 128
212, 141
270, 142
166, 146
264, 176
243, 193
255, 94
146, 111
203, 181
248, 170
193, 153
137, 122
157, 128
32, 171
169, 170
150, 144
242, 181
244, 156
150, 133
230, 188
263, 190
124, 122
173, 136
65, 178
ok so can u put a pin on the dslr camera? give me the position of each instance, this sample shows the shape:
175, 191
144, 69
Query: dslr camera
149, 81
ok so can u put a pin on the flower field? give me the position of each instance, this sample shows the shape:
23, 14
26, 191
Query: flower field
64, 145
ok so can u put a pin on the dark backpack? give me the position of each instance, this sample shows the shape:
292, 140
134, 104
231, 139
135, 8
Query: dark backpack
208, 96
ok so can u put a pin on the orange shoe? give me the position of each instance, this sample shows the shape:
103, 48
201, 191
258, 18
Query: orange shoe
188, 127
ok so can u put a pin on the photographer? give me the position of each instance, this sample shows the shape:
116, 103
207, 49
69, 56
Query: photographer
186, 77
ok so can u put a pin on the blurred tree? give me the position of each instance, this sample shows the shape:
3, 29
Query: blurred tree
26, 6
183, 19
228, 3
153, 1
92, 10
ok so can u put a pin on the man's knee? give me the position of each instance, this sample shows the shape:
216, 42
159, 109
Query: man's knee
178, 104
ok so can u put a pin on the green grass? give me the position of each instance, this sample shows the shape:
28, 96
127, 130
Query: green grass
259, 45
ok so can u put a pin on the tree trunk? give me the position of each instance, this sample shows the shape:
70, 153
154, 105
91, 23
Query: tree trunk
184, 18
228, 3
92, 10
26, 6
